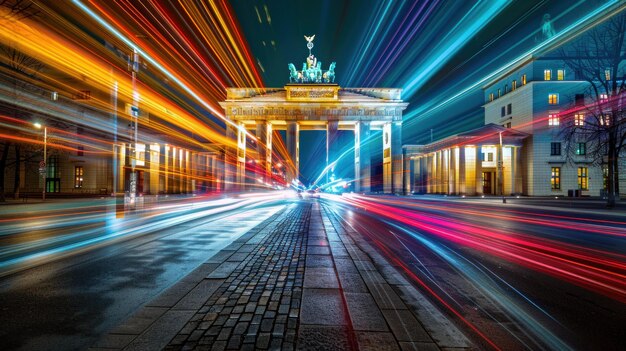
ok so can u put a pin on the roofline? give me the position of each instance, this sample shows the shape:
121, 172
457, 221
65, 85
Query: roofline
559, 40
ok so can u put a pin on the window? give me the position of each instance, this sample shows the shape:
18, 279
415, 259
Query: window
514, 85
605, 119
582, 178
53, 180
490, 157
509, 109
579, 119
560, 74
523, 79
604, 98
78, 177
555, 149
499, 93
547, 74
607, 74
506, 88
508, 125
580, 99
581, 149
491, 97
553, 119
502, 111
555, 178
553, 99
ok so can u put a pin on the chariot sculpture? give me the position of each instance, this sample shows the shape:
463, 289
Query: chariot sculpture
311, 69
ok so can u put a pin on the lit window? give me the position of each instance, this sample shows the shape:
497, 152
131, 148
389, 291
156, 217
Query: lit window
553, 99
604, 98
607, 74
582, 178
499, 93
553, 119
605, 119
491, 97
490, 157
78, 177
555, 149
524, 79
579, 119
581, 149
514, 85
547, 74
508, 125
560, 74
555, 178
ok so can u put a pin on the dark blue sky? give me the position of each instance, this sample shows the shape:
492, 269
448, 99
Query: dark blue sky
432, 49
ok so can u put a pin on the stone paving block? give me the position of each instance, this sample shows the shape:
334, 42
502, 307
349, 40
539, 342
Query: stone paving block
140, 320
319, 261
316, 337
114, 341
363, 265
237, 257
321, 281
352, 282
376, 341
345, 265
224, 270
339, 251
405, 326
372, 277
173, 294
385, 297
364, 313
419, 346
318, 242
198, 296
323, 307
221, 256
318, 250
158, 335
247, 248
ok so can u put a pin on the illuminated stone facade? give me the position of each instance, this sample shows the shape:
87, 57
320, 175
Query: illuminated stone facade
326, 107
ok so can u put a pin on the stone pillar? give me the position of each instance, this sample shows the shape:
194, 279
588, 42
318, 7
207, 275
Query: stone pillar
430, 181
264, 150
446, 171
230, 160
408, 173
452, 160
499, 170
241, 156
362, 160
397, 167
479, 171
293, 148
461, 171
387, 159
332, 134
517, 167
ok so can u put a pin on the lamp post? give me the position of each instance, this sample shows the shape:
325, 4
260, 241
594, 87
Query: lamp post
43, 166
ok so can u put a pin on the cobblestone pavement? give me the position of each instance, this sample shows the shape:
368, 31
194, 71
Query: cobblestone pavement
301, 280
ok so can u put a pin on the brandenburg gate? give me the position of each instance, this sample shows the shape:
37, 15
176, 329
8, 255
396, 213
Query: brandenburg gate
313, 102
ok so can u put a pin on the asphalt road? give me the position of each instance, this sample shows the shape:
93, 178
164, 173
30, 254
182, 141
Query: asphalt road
524, 276
73, 270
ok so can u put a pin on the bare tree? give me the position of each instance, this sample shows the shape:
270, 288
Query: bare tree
21, 66
597, 119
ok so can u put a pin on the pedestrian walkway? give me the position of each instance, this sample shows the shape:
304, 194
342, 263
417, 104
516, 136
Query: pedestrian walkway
300, 280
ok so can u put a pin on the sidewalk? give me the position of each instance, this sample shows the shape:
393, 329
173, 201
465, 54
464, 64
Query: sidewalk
299, 280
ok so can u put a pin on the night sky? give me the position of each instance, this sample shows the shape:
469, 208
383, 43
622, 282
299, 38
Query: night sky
431, 49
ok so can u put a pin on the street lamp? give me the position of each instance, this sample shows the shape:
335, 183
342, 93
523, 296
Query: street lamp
43, 167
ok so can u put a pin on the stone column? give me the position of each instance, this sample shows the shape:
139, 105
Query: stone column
397, 169
517, 169
452, 160
461, 171
264, 150
387, 159
408, 173
293, 148
500, 170
241, 156
429, 173
479, 171
332, 134
230, 160
362, 160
